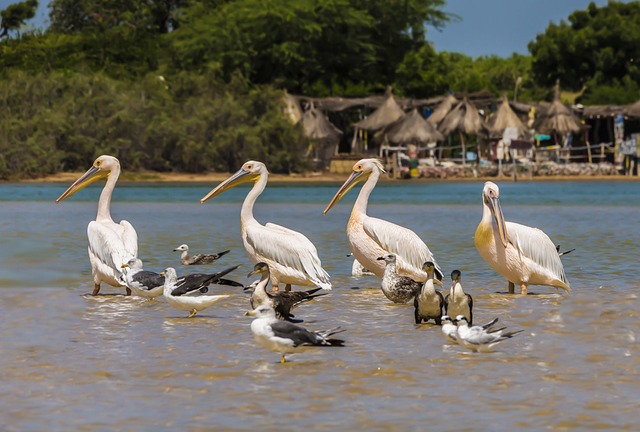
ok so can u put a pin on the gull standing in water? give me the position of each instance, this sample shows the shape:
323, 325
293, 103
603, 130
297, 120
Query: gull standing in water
143, 283
281, 301
111, 244
291, 257
191, 292
457, 302
523, 255
428, 303
357, 269
371, 237
198, 259
450, 330
398, 289
286, 338
478, 339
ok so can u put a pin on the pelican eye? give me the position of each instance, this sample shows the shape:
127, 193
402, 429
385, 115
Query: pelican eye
98, 163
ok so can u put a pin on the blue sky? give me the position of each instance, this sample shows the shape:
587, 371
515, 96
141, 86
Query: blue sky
499, 27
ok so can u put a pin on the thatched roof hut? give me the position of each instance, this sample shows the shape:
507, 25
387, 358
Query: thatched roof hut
412, 128
386, 114
505, 118
557, 117
464, 118
633, 110
318, 127
442, 109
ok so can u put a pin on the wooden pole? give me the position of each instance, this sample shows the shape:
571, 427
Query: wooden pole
464, 150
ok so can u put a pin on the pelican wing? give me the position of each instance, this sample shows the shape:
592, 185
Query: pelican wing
535, 245
401, 241
106, 244
129, 238
290, 249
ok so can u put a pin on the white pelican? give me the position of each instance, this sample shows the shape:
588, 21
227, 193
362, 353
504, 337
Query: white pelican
523, 255
110, 244
371, 238
291, 257
285, 337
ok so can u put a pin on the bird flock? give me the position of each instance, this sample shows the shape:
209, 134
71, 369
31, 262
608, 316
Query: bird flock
284, 258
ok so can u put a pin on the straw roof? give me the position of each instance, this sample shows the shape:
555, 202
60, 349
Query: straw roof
504, 118
412, 128
463, 118
633, 110
443, 109
557, 117
386, 114
318, 127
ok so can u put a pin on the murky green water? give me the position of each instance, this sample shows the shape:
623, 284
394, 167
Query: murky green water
74, 362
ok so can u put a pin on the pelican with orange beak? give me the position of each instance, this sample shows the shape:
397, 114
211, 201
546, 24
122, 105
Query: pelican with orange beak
523, 255
111, 244
291, 257
371, 237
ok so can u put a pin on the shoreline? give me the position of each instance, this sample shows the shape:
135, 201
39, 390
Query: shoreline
158, 177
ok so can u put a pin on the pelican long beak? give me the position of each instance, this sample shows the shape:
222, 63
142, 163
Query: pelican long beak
496, 209
94, 174
353, 179
242, 176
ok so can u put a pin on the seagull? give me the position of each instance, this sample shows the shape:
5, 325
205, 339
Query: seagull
565, 252
429, 303
111, 244
450, 330
457, 302
398, 289
285, 337
478, 339
143, 283
197, 259
523, 255
281, 301
190, 293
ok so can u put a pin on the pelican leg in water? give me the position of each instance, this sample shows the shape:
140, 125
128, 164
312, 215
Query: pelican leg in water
523, 255
371, 237
111, 244
291, 257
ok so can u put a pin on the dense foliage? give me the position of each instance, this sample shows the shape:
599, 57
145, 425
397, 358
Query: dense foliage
192, 85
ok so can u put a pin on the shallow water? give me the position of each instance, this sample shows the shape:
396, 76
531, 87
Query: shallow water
76, 362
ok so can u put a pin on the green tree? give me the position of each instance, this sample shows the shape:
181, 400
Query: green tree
15, 15
597, 46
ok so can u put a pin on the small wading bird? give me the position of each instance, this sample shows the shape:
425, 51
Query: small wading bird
142, 283
398, 289
282, 302
292, 258
111, 244
191, 292
428, 303
287, 338
523, 255
198, 259
370, 238
357, 269
478, 339
450, 330
457, 302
